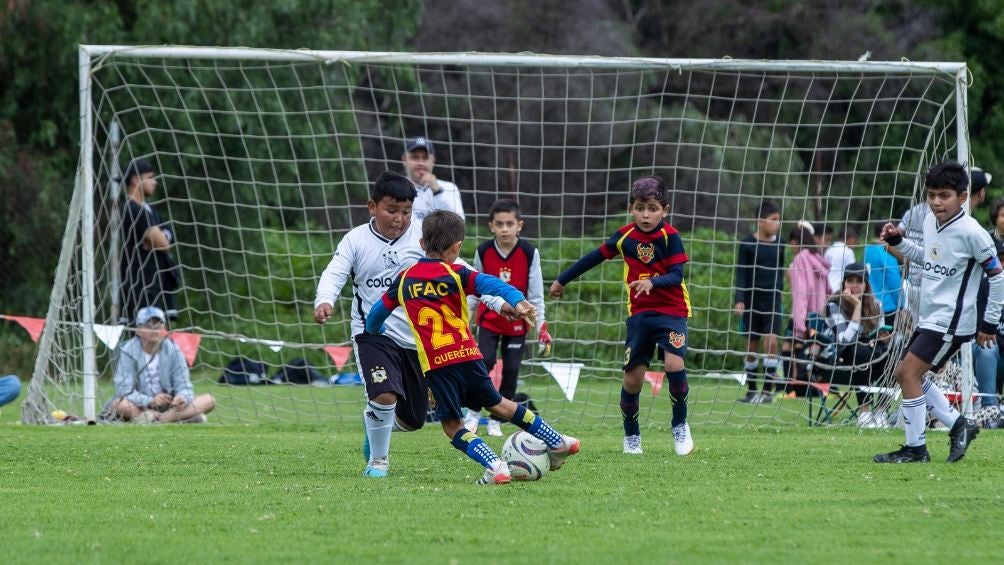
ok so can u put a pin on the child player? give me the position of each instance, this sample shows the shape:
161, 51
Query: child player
658, 305
759, 284
516, 261
372, 255
432, 294
954, 247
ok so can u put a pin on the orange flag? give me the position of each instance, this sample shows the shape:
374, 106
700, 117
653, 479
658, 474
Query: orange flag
188, 343
339, 354
655, 379
32, 325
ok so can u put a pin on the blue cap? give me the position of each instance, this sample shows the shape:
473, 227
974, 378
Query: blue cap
413, 143
147, 313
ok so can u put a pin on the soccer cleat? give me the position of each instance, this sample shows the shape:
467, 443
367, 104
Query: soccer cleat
147, 417
196, 419
472, 420
766, 398
682, 439
377, 468
905, 454
557, 457
751, 397
366, 446
963, 432
499, 477
494, 428
632, 445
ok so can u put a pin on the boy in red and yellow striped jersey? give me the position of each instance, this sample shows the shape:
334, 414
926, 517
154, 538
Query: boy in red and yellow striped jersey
433, 294
658, 305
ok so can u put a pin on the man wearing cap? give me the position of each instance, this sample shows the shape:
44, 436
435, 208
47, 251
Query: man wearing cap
148, 272
151, 377
433, 193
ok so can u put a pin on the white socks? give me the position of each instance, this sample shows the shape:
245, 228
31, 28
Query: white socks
915, 419
938, 404
379, 421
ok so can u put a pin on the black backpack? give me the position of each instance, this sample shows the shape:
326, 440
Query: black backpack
298, 372
243, 371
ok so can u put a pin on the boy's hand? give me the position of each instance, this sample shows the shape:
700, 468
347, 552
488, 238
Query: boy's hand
160, 401
322, 313
641, 286
526, 311
889, 231
557, 290
543, 341
179, 402
740, 308
509, 313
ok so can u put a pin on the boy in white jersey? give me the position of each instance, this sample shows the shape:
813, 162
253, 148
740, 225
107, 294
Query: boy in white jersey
372, 255
955, 246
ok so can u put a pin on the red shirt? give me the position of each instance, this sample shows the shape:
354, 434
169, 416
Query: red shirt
513, 269
434, 296
649, 255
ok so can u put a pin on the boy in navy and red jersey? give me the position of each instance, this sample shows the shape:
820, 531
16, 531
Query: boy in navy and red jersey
658, 305
433, 294
516, 261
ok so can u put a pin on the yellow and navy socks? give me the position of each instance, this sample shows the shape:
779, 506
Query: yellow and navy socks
629, 412
537, 427
475, 448
679, 389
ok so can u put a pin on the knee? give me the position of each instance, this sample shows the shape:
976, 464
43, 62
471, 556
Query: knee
125, 408
208, 403
385, 398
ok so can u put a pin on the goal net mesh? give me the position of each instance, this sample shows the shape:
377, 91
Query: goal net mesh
263, 165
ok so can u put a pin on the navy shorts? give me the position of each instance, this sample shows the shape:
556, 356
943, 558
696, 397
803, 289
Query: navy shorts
385, 366
935, 347
646, 330
461, 384
760, 319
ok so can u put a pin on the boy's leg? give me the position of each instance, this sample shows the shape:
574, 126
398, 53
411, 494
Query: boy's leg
751, 365
452, 387
512, 359
771, 362
381, 362
488, 344
559, 447
630, 407
674, 348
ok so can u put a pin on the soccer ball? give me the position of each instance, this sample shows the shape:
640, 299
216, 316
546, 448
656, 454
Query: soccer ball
526, 456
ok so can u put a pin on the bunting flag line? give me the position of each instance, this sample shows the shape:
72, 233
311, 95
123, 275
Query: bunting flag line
339, 354
109, 335
655, 378
188, 343
31, 325
565, 374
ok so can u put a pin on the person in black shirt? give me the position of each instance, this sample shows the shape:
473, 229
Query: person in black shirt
149, 274
758, 287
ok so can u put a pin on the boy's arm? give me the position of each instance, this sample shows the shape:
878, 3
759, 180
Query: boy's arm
744, 273
125, 383
535, 292
674, 277
181, 378
608, 250
903, 246
985, 251
334, 277
494, 303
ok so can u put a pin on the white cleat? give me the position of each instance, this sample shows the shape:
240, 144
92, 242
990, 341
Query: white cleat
682, 439
494, 428
472, 420
632, 445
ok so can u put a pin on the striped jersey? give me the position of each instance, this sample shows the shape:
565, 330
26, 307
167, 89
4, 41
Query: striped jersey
433, 296
646, 255
521, 269
949, 262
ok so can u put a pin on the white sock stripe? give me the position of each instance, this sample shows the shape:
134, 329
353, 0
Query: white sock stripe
382, 407
751, 365
919, 401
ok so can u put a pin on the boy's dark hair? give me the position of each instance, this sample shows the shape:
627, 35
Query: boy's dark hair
440, 230
650, 187
504, 205
995, 210
848, 231
947, 174
395, 185
766, 209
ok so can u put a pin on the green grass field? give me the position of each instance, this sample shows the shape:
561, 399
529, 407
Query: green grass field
268, 493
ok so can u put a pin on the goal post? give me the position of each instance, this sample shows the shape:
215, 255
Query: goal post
265, 159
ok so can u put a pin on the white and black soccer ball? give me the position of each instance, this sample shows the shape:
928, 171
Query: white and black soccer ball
526, 456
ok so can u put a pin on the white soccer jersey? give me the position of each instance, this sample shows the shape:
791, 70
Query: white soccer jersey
949, 263
448, 199
372, 261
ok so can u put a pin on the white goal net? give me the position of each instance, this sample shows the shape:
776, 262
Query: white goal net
265, 158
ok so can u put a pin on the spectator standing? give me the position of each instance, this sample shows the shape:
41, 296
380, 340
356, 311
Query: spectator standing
840, 254
885, 276
433, 193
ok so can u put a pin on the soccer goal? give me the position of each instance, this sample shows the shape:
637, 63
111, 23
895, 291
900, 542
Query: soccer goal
265, 159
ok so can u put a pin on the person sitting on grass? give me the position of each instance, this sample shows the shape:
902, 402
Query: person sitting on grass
151, 377
432, 293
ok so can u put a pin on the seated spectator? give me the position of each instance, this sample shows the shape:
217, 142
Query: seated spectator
10, 389
856, 340
151, 377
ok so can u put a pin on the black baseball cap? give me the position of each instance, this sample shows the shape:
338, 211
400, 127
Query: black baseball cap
413, 143
980, 179
856, 269
137, 167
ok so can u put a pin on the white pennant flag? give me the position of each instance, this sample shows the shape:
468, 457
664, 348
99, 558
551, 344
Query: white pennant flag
109, 335
565, 374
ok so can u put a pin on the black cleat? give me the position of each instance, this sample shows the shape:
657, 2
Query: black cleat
905, 454
752, 397
963, 432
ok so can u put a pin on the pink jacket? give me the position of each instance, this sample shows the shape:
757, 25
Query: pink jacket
809, 287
